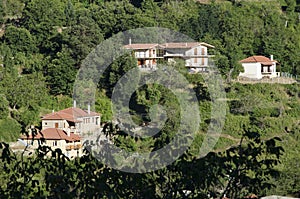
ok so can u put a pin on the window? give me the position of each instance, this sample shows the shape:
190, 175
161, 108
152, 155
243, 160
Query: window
56, 125
55, 143
45, 123
160, 52
265, 69
196, 60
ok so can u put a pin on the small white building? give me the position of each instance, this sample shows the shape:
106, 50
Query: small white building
258, 67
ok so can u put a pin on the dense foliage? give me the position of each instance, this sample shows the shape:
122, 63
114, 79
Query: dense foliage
46, 41
230, 172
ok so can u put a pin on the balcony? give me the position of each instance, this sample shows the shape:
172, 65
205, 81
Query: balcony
77, 146
69, 147
73, 146
144, 55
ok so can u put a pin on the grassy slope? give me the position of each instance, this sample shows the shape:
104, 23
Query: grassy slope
265, 98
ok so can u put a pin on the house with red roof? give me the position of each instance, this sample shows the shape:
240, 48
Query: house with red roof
258, 67
69, 143
63, 129
148, 55
74, 120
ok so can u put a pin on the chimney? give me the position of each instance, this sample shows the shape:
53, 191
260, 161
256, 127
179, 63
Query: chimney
89, 109
271, 57
30, 130
74, 103
129, 40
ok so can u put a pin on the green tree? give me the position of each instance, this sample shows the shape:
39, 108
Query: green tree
2, 13
291, 5
19, 40
10, 130
103, 106
24, 91
4, 104
61, 73
43, 19
250, 167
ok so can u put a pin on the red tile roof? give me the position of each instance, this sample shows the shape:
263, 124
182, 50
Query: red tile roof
181, 45
140, 46
186, 45
167, 45
69, 114
54, 134
258, 59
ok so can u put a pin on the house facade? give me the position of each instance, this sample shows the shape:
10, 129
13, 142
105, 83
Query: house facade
63, 130
69, 143
195, 54
73, 120
258, 67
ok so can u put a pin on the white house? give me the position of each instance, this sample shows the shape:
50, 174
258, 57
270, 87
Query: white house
258, 67
195, 54
74, 120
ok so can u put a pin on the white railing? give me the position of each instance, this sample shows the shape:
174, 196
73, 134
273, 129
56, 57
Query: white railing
144, 55
147, 67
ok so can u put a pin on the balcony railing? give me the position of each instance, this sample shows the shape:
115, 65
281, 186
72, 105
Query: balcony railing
73, 146
69, 147
144, 55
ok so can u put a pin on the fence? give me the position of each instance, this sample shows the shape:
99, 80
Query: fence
288, 75
282, 78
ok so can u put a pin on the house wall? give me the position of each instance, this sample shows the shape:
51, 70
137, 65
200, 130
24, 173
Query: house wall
179, 51
75, 151
51, 124
59, 144
201, 50
147, 63
251, 70
273, 72
146, 57
147, 53
197, 61
89, 124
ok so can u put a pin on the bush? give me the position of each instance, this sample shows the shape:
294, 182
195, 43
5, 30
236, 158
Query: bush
3, 107
9, 130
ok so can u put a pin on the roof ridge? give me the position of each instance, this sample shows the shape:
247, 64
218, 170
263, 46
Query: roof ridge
58, 132
254, 57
